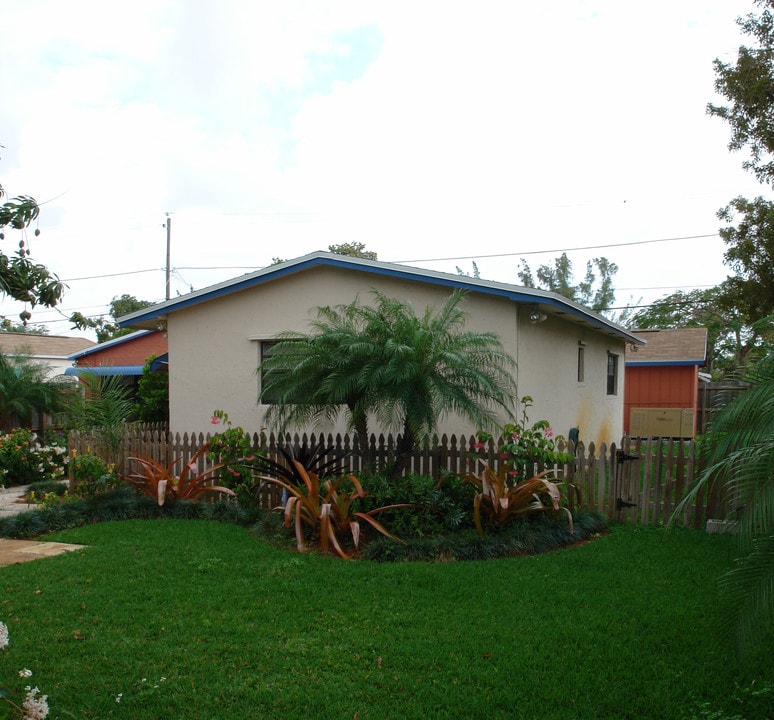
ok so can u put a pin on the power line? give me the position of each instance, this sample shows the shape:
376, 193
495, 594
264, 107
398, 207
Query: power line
556, 250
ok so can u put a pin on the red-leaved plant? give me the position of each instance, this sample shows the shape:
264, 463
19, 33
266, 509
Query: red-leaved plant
327, 510
159, 481
500, 502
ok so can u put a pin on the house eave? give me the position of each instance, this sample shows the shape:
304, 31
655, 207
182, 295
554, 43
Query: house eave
154, 317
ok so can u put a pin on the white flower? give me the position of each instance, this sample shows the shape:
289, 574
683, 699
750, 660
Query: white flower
118, 697
35, 708
3, 635
25, 673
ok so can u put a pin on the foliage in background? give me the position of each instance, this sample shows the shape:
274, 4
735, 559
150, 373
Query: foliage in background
738, 453
104, 408
107, 329
153, 394
23, 460
595, 291
25, 390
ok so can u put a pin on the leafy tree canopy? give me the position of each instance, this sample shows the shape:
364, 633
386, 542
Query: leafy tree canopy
20, 277
119, 306
9, 326
748, 85
730, 339
595, 291
353, 249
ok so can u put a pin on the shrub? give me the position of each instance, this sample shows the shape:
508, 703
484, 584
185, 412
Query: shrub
426, 507
23, 460
38, 490
525, 449
91, 474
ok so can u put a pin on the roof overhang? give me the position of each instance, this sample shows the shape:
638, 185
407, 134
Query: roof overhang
105, 370
155, 317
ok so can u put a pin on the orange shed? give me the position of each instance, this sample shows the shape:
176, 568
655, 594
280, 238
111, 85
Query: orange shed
661, 389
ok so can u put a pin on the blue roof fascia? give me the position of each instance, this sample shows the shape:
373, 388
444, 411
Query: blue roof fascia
663, 363
108, 343
105, 370
525, 295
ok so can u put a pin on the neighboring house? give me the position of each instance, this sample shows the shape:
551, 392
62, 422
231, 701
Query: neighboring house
53, 351
662, 382
49, 351
125, 356
570, 360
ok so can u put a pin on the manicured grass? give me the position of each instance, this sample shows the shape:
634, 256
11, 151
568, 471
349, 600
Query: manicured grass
199, 619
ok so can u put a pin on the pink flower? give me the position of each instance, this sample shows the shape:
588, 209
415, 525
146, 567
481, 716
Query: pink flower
513, 472
215, 420
479, 445
548, 432
503, 456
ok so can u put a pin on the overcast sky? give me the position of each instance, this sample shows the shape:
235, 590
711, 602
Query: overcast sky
438, 133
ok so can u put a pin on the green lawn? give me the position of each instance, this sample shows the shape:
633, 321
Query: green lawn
198, 619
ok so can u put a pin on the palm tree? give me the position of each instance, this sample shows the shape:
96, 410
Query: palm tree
408, 371
25, 391
315, 376
739, 454
104, 407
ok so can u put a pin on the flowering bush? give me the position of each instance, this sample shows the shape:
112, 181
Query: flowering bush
24, 461
34, 706
91, 473
231, 448
525, 449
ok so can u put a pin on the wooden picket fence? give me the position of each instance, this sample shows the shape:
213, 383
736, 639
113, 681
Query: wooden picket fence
640, 481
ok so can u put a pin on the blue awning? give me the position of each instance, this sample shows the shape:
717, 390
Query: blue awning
105, 370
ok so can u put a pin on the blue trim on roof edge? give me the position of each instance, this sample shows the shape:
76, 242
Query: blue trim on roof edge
659, 363
325, 259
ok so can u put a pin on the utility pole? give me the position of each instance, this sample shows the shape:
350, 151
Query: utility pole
169, 239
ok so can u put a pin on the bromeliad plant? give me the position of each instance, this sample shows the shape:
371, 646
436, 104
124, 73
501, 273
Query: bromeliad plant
527, 457
327, 510
499, 501
158, 481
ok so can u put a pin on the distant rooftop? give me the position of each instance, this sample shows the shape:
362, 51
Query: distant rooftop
43, 346
675, 346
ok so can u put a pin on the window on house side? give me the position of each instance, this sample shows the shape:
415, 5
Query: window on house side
581, 364
612, 374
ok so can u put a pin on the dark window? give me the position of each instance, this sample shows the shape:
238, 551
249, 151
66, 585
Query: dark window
581, 364
612, 374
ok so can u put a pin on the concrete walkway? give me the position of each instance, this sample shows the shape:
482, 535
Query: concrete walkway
19, 551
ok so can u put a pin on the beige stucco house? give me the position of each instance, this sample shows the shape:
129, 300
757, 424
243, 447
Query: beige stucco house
569, 359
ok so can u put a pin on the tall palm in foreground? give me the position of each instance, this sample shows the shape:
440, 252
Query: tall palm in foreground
313, 376
384, 360
739, 455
